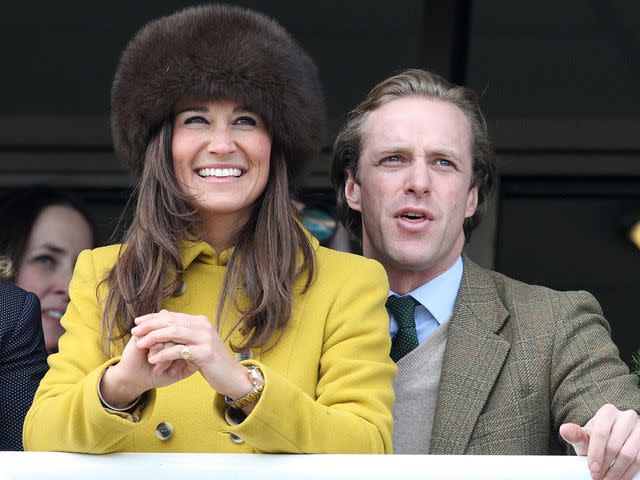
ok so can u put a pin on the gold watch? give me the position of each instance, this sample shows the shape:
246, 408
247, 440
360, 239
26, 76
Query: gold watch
257, 380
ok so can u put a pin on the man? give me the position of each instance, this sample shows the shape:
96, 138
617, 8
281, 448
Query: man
489, 365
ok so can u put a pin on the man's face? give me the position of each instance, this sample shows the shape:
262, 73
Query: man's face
414, 188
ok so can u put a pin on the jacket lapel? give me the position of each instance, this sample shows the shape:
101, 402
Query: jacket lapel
473, 359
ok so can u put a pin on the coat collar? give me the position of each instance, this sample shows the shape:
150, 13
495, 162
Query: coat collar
473, 359
190, 250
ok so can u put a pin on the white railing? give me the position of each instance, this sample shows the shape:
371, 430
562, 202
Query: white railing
193, 466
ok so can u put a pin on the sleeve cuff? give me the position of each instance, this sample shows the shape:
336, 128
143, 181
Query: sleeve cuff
133, 412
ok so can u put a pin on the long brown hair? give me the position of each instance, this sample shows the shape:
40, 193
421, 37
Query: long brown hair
271, 252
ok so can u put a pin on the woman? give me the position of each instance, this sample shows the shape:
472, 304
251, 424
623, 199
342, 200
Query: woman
23, 358
220, 325
44, 231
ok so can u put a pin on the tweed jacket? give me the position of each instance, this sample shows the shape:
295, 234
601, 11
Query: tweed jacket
328, 375
23, 360
520, 361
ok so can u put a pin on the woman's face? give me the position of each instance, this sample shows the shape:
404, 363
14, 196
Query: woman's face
57, 237
221, 153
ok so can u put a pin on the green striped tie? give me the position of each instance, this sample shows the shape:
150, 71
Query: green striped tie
406, 339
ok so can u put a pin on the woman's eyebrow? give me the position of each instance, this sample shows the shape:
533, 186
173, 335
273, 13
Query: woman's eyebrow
53, 248
244, 109
194, 108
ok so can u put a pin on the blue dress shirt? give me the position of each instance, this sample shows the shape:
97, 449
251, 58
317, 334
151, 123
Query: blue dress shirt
437, 300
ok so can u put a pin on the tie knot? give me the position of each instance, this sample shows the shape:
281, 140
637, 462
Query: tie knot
402, 309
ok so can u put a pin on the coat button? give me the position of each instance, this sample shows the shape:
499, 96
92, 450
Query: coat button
164, 431
180, 290
246, 355
235, 439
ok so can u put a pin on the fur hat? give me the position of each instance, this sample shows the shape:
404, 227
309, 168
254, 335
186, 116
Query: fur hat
217, 52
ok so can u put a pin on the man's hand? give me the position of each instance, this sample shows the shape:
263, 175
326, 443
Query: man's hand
611, 442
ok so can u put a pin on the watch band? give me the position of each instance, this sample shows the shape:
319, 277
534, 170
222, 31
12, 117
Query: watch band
257, 379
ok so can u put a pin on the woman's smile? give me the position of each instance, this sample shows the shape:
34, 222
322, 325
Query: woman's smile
219, 172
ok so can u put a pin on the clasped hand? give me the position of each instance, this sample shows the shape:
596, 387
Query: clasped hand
153, 358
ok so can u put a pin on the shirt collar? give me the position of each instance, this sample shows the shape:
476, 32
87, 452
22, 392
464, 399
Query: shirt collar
439, 294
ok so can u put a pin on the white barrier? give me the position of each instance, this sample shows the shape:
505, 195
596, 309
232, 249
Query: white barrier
192, 466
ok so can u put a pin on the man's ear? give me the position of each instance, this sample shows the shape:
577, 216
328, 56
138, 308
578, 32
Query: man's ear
352, 192
472, 202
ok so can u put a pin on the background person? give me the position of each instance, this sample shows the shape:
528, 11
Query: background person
486, 364
215, 108
44, 230
23, 357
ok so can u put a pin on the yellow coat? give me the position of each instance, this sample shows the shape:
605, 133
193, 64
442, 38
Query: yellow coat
328, 377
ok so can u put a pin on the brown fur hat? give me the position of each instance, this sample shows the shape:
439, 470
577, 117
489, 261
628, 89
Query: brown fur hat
217, 52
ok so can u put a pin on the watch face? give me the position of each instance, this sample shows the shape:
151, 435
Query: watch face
255, 375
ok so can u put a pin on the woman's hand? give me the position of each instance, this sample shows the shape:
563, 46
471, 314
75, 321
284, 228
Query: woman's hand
163, 337
125, 381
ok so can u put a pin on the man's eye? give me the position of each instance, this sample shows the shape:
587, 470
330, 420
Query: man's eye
392, 159
444, 162
245, 121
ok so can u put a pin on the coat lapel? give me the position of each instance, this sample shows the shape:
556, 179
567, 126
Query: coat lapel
473, 359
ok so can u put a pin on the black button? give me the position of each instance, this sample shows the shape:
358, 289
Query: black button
180, 290
164, 431
247, 355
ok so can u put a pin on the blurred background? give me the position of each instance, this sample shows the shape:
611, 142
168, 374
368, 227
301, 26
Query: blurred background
560, 84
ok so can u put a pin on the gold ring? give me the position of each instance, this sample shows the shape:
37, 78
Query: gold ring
185, 353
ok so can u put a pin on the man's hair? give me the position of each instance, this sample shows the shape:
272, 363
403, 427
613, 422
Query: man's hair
413, 83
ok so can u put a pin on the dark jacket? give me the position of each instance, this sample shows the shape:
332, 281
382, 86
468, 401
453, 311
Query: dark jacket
23, 360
